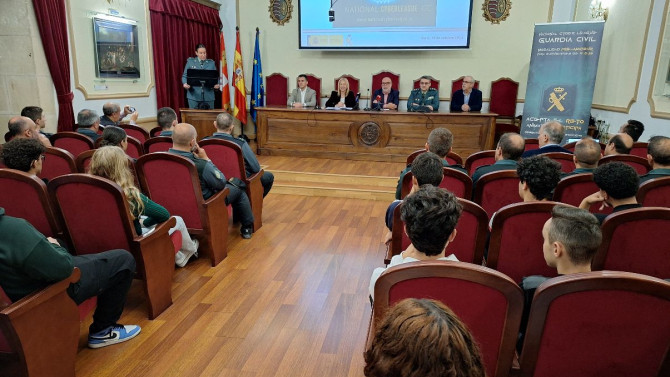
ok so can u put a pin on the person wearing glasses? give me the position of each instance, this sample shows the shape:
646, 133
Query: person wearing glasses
468, 98
386, 97
424, 98
26, 155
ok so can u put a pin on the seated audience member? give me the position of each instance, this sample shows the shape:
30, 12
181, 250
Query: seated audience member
430, 216
658, 155
113, 136
112, 114
342, 97
112, 163
550, 136
25, 155
422, 337
21, 127
538, 177
618, 184
224, 130
634, 128
586, 157
439, 142
167, 119
510, 148
303, 95
388, 97
29, 261
619, 144
211, 179
468, 98
423, 97
36, 114
89, 124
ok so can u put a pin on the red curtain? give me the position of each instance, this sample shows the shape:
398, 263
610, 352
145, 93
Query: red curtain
177, 26
52, 24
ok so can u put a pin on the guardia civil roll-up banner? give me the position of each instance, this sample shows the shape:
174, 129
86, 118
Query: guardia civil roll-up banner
561, 76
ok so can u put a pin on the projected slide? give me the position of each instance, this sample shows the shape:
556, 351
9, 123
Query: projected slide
385, 24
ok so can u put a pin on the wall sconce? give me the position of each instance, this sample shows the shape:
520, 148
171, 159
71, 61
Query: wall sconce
599, 10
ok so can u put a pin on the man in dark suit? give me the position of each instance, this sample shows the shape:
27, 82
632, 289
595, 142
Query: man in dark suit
658, 155
621, 143
509, 151
550, 136
468, 98
388, 97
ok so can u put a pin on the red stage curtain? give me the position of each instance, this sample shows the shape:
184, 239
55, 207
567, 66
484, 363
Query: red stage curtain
177, 26
52, 24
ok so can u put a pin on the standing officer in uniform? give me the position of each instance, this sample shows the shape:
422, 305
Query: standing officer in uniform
425, 96
195, 94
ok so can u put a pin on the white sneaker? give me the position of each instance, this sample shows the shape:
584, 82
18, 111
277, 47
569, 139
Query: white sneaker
181, 258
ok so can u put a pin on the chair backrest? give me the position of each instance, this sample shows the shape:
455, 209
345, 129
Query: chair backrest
565, 159
515, 246
478, 159
488, 302
155, 131
354, 83
276, 89
158, 144
72, 142
641, 165
95, 213
458, 84
452, 157
57, 162
226, 155
504, 93
84, 160
634, 240
434, 83
135, 148
25, 196
455, 181
573, 189
655, 193
570, 146
136, 131
314, 82
496, 190
639, 149
377, 80
531, 144
604, 323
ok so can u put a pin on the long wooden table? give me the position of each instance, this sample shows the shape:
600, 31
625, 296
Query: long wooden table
365, 135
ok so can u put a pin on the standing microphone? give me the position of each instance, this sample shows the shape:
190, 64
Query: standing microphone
367, 107
379, 104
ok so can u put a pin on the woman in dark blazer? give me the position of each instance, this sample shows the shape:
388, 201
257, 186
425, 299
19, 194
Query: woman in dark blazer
343, 97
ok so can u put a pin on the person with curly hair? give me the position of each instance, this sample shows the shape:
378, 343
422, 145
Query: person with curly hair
538, 177
618, 184
423, 338
26, 155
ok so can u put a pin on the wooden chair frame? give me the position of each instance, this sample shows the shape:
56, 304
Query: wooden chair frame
376, 80
531, 143
627, 159
406, 185
155, 131
136, 131
62, 154
156, 140
489, 154
72, 135
565, 183
650, 186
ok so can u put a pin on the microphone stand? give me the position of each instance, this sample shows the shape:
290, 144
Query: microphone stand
367, 107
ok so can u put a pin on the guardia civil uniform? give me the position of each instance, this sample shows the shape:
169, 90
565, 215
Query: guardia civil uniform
417, 98
194, 94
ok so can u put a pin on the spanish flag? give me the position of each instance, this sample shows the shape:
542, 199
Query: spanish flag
240, 110
225, 90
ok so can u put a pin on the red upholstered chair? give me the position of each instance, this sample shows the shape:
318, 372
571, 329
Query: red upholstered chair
354, 83
605, 323
377, 80
57, 162
452, 157
314, 82
639, 149
496, 190
458, 84
488, 302
135, 148
570, 146
455, 181
25, 196
158, 144
504, 92
565, 159
434, 83
641, 165
515, 246
531, 144
155, 131
84, 160
227, 156
478, 159
470, 241
96, 218
135, 131
276, 89
635, 240
72, 142
26, 349
172, 181
573, 189
655, 193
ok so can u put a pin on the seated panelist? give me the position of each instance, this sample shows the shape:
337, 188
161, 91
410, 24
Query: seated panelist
468, 98
342, 97
424, 98
303, 95
386, 97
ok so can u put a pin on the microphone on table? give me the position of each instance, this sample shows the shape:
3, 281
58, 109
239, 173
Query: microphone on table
379, 104
367, 107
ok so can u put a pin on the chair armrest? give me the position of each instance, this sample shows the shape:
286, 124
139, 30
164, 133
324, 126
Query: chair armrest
36, 299
255, 194
219, 196
157, 232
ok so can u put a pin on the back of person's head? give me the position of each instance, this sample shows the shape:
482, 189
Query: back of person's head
587, 152
110, 108
659, 149
578, 231
113, 136
18, 125
224, 122
634, 128
32, 112
618, 180
541, 174
427, 168
430, 216
440, 141
20, 153
423, 338
512, 145
182, 134
622, 143
87, 118
165, 117
554, 131
111, 162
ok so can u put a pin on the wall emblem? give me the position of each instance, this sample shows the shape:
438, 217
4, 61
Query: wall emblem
280, 11
496, 10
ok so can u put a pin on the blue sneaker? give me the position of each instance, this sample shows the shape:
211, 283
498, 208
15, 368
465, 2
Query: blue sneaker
112, 335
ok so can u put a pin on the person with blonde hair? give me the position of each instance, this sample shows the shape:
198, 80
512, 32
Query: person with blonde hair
423, 338
111, 162
342, 97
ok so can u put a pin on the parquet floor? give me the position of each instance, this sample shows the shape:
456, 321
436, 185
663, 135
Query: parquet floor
292, 301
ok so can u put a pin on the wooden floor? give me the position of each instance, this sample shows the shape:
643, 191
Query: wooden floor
292, 301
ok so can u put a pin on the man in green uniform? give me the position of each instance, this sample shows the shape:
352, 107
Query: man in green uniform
424, 98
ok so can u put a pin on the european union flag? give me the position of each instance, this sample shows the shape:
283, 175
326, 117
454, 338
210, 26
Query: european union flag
257, 88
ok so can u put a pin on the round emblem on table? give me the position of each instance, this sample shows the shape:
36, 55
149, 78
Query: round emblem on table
369, 132
280, 11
